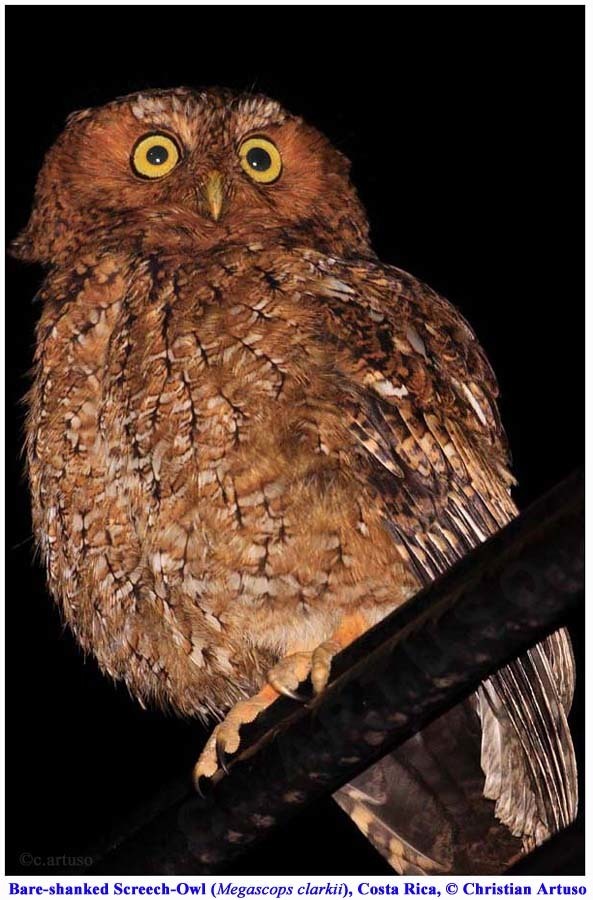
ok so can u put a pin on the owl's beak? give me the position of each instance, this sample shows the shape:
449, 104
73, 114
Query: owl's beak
214, 193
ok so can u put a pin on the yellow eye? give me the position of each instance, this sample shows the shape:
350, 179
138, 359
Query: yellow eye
154, 156
260, 159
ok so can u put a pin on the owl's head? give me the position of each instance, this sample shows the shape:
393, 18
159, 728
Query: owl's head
201, 167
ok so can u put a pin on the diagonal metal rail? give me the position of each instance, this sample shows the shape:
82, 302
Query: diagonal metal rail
413, 666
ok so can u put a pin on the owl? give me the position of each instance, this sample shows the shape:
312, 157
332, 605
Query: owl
249, 440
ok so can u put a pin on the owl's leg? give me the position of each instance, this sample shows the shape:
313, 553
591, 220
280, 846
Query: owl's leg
283, 678
350, 628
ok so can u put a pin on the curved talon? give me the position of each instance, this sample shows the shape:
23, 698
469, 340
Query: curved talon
289, 673
222, 757
287, 692
197, 782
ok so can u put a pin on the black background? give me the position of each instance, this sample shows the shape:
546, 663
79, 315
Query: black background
464, 125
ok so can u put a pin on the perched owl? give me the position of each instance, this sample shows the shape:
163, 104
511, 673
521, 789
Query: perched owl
249, 440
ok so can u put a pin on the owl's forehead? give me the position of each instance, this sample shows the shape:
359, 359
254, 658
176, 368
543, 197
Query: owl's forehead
192, 114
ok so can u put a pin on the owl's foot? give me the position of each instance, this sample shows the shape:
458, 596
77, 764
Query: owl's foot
287, 674
283, 678
225, 739
291, 671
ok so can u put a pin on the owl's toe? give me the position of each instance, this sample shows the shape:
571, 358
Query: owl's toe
289, 673
207, 764
321, 664
221, 744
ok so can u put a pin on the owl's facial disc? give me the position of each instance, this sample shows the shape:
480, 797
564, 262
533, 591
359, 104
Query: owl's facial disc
200, 167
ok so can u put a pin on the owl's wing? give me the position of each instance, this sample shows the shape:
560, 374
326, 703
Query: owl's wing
420, 397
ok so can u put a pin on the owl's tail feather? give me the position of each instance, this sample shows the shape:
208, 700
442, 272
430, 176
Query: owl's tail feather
527, 752
484, 783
